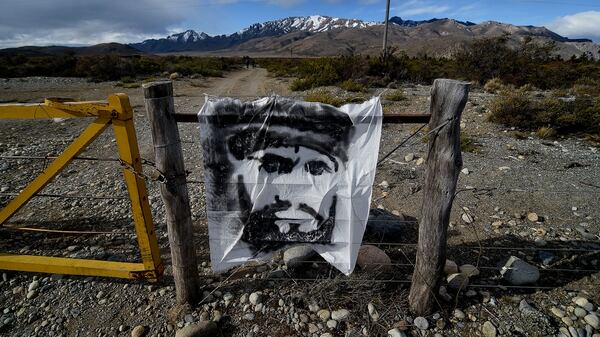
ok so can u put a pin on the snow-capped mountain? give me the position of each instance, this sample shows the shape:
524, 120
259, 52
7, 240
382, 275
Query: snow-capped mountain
311, 24
191, 40
188, 36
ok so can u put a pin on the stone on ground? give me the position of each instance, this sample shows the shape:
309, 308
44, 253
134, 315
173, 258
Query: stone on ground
296, 256
371, 258
518, 272
202, 329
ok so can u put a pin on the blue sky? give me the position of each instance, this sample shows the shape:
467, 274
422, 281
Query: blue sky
240, 14
77, 22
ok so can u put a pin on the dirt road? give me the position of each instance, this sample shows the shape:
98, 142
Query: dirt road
247, 82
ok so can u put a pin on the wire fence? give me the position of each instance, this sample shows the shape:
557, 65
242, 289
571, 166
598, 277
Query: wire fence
405, 261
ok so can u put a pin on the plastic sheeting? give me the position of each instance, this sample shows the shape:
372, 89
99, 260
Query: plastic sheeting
281, 172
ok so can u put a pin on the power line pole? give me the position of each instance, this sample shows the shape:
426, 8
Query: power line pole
385, 31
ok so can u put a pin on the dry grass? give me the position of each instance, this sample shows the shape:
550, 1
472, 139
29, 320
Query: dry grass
546, 133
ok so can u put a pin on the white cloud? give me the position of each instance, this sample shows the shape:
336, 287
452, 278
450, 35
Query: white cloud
420, 7
579, 25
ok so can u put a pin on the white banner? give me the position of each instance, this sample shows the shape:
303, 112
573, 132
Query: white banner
281, 172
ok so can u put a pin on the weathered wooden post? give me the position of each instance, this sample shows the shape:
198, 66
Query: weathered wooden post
444, 161
169, 161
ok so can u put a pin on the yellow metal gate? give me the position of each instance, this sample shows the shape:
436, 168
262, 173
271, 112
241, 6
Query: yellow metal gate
118, 112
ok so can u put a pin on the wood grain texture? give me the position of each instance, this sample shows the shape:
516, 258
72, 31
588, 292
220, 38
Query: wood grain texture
444, 161
169, 161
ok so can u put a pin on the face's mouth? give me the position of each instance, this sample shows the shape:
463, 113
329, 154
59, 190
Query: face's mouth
297, 225
265, 232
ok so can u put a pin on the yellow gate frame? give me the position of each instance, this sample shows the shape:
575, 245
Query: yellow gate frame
119, 113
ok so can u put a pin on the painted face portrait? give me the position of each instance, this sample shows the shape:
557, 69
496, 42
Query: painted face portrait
277, 175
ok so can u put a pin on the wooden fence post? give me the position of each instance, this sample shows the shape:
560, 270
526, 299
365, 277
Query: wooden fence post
169, 161
444, 161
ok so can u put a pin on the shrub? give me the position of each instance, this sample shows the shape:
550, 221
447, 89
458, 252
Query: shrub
561, 115
494, 85
329, 98
514, 108
324, 97
395, 95
467, 144
351, 85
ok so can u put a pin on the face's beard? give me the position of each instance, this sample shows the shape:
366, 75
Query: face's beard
264, 235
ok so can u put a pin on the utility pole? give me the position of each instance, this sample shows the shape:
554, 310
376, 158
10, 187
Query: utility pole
385, 30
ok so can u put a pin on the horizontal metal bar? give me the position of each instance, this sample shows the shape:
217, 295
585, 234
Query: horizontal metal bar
70, 266
388, 118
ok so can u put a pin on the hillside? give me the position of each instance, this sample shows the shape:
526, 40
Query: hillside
98, 49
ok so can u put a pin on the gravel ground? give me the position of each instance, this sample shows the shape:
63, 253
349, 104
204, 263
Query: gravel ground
506, 180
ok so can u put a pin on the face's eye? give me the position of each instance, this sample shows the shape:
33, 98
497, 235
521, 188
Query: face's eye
317, 167
272, 163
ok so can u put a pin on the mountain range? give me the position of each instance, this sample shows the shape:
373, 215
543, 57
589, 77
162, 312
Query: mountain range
327, 36
313, 36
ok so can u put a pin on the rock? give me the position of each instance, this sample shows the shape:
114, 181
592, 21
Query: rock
526, 308
174, 76
420, 161
31, 294
443, 292
139, 331
340, 314
33, 285
533, 217
488, 329
580, 301
332, 324
457, 281
312, 328
373, 312
243, 298
469, 270
396, 333
450, 267
519, 272
580, 312
249, 317
371, 258
467, 218
255, 298
327, 334
217, 315
202, 329
592, 319
324, 314
459, 314
545, 257
465, 171
297, 256
557, 312
409, 157
421, 323
567, 320
384, 184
